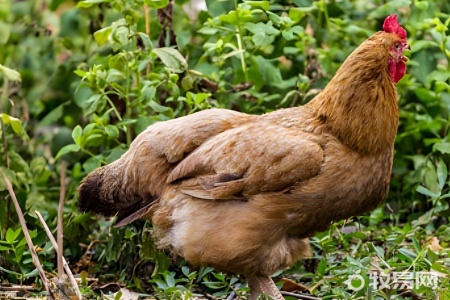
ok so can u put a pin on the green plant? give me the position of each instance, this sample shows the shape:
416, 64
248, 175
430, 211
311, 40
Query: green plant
91, 76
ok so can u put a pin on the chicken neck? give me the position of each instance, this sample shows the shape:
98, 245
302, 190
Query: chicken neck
359, 105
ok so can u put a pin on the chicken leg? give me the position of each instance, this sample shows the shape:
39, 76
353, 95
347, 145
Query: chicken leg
263, 284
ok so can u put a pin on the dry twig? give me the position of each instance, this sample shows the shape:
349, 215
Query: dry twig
34, 255
299, 296
147, 29
59, 232
17, 288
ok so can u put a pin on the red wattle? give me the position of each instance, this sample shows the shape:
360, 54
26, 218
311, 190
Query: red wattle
396, 70
400, 72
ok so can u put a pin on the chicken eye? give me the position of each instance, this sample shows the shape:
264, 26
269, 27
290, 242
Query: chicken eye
397, 46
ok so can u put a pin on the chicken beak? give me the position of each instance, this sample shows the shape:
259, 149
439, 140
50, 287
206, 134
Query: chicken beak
406, 46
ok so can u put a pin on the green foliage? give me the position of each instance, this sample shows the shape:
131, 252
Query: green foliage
14, 249
80, 81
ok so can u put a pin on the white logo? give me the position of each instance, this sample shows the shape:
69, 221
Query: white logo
355, 282
394, 280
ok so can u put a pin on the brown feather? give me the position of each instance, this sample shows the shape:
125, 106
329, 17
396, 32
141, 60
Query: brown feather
242, 193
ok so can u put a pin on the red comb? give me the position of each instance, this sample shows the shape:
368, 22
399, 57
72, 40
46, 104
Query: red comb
391, 25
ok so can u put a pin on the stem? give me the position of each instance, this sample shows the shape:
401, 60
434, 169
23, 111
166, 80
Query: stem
138, 75
92, 154
4, 98
127, 102
147, 31
239, 41
147, 20
116, 112
443, 47
325, 10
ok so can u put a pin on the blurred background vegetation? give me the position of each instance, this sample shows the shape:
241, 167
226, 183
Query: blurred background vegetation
79, 80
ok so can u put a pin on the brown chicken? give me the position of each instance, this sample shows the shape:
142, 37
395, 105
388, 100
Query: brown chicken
242, 193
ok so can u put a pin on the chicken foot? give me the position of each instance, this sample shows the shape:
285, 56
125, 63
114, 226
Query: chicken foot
263, 284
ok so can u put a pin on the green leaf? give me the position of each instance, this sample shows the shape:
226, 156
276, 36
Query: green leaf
80, 73
118, 295
422, 44
432, 256
170, 280
386, 9
101, 36
262, 39
217, 8
416, 244
89, 3
158, 107
425, 95
440, 268
201, 97
290, 33
114, 76
157, 3
443, 147
12, 235
91, 164
112, 131
303, 3
33, 273
76, 134
67, 149
95, 139
22, 242
422, 5
161, 284
147, 94
95, 102
185, 270
10, 174
172, 59
143, 122
231, 17
146, 40
10, 74
15, 123
126, 122
129, 234
264, 73
53, 116
4, 248
426, 192
263, 4
441, 171
10, 272
208, 30
120, 35
82, 218
4, 32
321, 268
408, 253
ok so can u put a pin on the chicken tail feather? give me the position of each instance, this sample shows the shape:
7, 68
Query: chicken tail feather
90, 198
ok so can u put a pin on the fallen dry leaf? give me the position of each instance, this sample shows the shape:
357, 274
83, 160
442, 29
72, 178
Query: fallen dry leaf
290, 285
434, 244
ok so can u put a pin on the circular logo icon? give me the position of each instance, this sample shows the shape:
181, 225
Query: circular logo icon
355, 282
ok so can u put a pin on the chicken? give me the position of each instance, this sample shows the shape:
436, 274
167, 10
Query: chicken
242, 193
